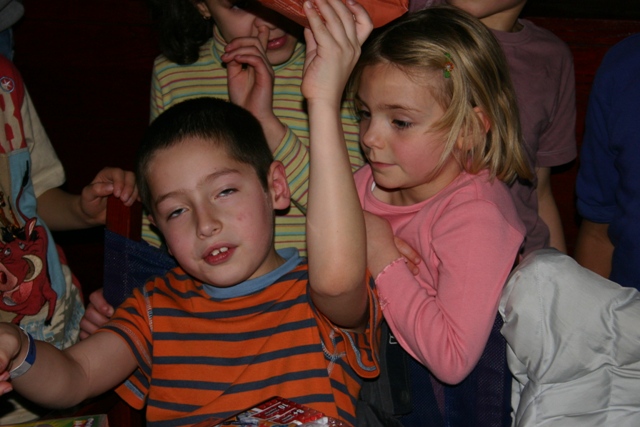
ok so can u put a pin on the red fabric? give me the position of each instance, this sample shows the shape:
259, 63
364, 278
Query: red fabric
381, 11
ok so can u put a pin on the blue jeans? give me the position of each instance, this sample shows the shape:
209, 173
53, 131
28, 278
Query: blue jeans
6, 43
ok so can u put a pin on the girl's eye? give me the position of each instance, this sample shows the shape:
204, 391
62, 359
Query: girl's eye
401, 124
363, 115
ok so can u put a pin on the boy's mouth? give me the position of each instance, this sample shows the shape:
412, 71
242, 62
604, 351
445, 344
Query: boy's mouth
219, 255
217, 251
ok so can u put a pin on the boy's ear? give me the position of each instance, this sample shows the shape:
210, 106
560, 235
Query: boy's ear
153, 222
483, 119
202, 8
278, 186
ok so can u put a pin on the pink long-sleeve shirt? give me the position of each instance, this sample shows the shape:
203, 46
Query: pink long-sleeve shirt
468, 236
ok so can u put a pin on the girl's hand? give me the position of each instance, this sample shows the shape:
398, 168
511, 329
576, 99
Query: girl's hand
333, 46
411, 256
381, 246
250, 79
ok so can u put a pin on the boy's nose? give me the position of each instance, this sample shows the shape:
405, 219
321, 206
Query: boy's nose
208, 224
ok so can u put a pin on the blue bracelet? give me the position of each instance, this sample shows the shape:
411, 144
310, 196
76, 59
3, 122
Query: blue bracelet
22, 368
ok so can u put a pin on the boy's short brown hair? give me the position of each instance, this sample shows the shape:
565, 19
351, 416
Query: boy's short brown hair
213, 119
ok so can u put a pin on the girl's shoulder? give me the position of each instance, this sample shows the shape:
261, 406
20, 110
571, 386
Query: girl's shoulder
480, 188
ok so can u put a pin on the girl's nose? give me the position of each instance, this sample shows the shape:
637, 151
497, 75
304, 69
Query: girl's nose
263, 20
369, 137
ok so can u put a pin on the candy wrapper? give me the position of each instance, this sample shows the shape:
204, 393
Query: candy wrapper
381, 11
277, 412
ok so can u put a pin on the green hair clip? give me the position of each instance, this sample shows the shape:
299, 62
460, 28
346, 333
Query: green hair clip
448, 66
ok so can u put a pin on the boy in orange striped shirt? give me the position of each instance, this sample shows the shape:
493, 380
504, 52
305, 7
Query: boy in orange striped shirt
238, 322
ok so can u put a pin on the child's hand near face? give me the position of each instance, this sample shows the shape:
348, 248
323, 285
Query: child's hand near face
333, 47
250, 79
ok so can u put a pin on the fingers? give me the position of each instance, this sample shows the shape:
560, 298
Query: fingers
100, 303
98, 313
407, 251
351, 21
5, 385
116, 181
411, 256
91, 321
248, 46
364, 25
10, 348
248, 54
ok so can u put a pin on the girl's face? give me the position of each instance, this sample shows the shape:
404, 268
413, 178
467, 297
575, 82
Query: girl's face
242, 18
397, 134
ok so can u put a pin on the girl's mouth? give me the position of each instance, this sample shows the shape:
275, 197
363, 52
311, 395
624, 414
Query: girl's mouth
276, 43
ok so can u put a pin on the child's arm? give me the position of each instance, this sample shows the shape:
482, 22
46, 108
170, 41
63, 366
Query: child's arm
548, 209
63, 211
250, 80
336, 240
594, 249
62, 379
251, 85
444, 317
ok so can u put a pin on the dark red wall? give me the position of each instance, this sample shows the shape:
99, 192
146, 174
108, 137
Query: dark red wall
87, 65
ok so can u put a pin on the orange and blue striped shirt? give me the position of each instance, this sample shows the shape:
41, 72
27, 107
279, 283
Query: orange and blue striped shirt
201, 356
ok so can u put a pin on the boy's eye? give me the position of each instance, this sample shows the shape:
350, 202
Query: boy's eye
175, 213
227, 192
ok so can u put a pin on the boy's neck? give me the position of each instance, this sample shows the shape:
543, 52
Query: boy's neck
506, 21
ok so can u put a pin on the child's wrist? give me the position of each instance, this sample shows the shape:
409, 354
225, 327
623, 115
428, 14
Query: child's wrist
30, 357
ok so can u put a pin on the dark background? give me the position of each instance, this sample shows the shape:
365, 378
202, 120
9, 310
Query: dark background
87, 65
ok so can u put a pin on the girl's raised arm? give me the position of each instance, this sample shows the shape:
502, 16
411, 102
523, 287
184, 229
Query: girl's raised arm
336, 239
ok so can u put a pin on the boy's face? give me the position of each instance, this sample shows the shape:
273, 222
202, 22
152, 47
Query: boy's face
214, 213
242, 18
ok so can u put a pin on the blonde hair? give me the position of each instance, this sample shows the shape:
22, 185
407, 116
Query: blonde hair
423, 44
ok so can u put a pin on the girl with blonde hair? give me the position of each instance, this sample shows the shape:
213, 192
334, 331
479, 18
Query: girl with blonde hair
439, 127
